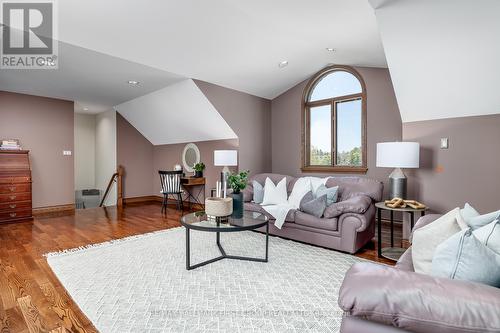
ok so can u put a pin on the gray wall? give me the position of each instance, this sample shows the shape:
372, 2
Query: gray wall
466, 172
44, 126
250, 118
383, 123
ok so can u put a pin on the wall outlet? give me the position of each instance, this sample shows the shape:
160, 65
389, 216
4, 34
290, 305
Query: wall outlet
67, 152
444, 143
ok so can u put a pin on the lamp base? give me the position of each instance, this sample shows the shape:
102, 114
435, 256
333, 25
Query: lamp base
397, 184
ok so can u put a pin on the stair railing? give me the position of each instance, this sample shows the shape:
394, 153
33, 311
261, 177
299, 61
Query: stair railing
117, 178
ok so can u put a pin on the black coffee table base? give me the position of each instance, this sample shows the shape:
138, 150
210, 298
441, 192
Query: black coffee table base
222, 251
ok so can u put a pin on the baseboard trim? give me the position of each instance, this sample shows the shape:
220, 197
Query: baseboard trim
143, 199
50, 211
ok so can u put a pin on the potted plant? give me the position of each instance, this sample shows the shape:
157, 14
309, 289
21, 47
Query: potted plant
238, 182
198, 169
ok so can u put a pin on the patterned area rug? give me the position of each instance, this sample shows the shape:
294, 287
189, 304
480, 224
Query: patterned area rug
140, 284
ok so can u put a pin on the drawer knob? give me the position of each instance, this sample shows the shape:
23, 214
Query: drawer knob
13, 206
12, 197
13, 214
12, 189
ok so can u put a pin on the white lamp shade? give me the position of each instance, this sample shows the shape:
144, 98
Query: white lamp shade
225, 157
398, 155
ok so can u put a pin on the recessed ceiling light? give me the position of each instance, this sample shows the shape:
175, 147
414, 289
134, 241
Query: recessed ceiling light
283, 64
330, 49
85, 109
133, 82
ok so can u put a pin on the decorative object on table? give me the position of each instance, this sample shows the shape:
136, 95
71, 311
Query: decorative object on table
177, 167
398, 155
190, 156
218, 209
10, 144
393, 253
198, 169
225, 158
170, 182
238, 182
400, 203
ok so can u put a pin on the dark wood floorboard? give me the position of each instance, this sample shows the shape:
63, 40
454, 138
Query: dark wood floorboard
31, 297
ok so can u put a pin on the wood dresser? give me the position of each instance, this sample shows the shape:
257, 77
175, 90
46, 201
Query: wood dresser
15, 186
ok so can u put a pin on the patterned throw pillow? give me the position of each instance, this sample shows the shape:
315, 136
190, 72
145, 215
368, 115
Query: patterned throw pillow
331, 193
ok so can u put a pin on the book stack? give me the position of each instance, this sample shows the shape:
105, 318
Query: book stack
10, 144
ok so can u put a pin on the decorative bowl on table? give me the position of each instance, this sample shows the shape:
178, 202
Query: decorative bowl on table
218, 209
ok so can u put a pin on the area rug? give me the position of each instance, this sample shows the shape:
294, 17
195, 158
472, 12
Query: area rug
140, 284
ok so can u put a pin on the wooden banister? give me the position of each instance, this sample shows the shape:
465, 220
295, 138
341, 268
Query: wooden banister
118, 178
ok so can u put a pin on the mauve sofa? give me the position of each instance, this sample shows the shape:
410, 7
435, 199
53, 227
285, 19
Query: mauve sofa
382, 299
350, 230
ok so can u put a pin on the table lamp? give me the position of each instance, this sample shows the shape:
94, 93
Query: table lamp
225, 158
398, 155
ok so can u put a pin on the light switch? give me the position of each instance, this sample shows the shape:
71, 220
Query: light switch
67, 152
444, 143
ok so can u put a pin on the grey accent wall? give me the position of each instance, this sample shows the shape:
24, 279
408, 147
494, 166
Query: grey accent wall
466, 172
135, 154
383, 123
45, 126
250, 118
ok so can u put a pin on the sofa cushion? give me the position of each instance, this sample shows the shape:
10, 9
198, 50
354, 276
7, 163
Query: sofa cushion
426, 239
316, 222
253, 207
358, 204
352, 186
314, 207
419, 303
464, 257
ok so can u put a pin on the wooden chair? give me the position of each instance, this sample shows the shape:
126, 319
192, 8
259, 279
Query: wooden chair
171, 185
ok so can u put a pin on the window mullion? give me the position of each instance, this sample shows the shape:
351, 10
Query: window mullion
334, 132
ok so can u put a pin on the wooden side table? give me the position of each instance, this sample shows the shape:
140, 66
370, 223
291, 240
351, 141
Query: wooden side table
393, 253
189, 184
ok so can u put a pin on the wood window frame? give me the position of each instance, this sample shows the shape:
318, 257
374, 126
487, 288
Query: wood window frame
305, 123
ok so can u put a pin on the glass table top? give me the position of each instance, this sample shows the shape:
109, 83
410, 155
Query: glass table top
200, 221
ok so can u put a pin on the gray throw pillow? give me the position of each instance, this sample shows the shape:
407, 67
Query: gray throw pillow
258, 192
482, 220
315, 207
464, 257
331, 193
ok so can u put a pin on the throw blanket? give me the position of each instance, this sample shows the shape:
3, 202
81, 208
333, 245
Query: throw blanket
300, 188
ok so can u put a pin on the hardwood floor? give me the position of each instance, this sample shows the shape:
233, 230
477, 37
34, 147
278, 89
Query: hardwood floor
31, 297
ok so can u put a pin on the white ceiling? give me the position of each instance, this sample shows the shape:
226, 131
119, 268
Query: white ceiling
93, 80
176, 114
443, 56
236, 44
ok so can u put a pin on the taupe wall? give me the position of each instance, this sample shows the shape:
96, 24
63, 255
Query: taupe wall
466, 172
250, 118
44, 126
135, 153
166, 156
383, 123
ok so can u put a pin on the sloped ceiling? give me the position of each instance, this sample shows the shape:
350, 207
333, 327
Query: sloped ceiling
176, 114
443, 56
235, 44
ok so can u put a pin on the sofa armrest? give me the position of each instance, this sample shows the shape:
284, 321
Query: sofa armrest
358, 204
417, 302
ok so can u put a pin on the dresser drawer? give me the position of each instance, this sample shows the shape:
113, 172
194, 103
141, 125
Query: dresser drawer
15, 188
12, 206
12, 197
15, 215
14, 179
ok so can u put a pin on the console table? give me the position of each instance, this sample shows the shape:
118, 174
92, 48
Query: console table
195, 187
15, 186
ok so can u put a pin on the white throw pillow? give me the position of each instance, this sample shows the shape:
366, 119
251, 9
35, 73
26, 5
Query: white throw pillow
275, 194
489, 235
466, 214
426, 240
301, 187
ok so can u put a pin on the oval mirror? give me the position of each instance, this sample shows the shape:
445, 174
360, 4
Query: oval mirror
190, 156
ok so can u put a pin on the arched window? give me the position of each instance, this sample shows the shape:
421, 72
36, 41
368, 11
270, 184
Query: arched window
334, 122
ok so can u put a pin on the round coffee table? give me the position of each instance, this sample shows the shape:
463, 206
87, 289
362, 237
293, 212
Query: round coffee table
200, 222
